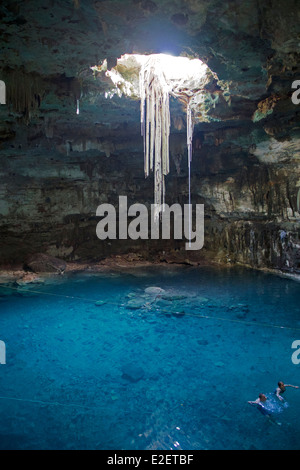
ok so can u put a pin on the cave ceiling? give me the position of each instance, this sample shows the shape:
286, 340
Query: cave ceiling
252, 47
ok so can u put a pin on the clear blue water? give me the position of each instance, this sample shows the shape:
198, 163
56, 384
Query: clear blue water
175, 373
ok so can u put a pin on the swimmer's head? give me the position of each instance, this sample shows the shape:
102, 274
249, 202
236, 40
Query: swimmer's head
280, 384
262, 397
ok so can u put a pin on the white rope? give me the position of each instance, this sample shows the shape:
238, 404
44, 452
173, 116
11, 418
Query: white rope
196, 315
190, 132
46, 403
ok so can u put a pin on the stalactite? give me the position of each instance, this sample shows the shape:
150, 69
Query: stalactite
155, 93
190, 132
24, 93
155, 126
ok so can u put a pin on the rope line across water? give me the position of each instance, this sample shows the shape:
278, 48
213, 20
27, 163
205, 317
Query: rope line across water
46, 403
196, 315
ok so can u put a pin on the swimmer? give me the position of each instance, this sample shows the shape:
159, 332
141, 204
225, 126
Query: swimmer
261, 399
282, 388
265, 411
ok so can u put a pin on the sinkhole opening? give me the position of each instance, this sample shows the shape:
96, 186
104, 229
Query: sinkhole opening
153, 79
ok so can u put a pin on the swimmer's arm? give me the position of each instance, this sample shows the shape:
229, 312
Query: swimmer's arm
278, 394
256, 402
293, 386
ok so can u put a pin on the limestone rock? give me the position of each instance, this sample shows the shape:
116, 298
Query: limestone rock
173, 297
42, 263
135, 304
154, 291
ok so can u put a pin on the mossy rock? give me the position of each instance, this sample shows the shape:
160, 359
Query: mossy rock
173, 298
135, 304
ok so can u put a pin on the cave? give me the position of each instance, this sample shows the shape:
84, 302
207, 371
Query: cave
150, 176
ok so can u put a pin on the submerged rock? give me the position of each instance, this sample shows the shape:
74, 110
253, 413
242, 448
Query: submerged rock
7, 290
178, 314
154, 291
202, 300
132, 373
220, 364
239, 307
135, 304
100, 303
202, 342
172, 297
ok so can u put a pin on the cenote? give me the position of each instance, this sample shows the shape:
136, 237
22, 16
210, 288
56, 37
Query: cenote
100, 361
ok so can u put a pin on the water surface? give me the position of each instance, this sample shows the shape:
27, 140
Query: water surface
136, 371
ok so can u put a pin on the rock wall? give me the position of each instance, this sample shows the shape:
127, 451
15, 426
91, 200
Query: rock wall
57, 166
50, 193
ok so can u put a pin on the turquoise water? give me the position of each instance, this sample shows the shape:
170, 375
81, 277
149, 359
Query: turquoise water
138, 371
